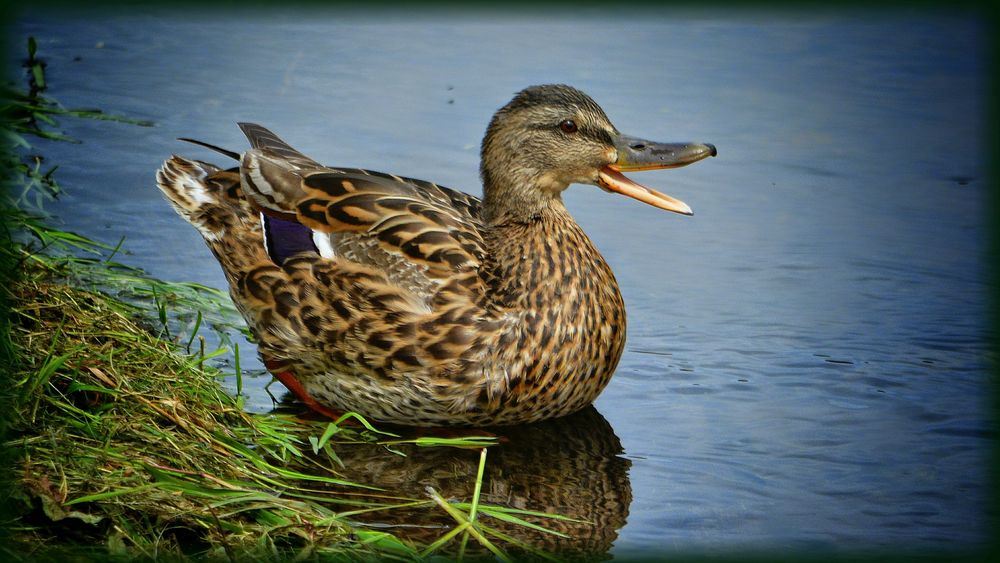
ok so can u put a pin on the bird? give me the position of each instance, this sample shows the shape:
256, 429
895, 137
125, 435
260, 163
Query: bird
413, 304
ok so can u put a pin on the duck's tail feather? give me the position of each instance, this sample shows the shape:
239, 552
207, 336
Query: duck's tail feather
212, 201
231, 154
196, 189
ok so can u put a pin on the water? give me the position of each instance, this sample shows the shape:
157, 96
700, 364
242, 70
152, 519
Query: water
806, 364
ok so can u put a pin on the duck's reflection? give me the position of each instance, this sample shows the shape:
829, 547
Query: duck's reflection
569, 466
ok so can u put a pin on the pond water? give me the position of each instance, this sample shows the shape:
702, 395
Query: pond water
807, 357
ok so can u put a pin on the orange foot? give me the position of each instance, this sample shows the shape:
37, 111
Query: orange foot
287, 378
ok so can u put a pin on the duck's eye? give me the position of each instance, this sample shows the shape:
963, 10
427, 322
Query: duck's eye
568, 126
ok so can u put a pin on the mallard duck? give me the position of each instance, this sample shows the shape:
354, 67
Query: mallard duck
411, 303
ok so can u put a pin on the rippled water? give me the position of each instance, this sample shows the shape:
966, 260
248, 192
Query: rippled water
806, 364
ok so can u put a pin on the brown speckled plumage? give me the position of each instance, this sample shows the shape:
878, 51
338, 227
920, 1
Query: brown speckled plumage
418, 304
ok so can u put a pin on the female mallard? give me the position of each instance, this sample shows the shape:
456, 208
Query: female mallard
414, 304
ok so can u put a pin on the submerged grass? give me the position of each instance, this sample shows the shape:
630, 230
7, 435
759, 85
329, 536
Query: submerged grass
121, 443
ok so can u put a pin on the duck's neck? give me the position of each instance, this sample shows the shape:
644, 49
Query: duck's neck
521, 194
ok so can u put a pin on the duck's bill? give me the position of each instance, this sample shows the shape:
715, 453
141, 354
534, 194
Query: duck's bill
613, 180
637, 154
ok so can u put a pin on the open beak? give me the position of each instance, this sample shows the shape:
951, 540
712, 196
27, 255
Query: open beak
637, 154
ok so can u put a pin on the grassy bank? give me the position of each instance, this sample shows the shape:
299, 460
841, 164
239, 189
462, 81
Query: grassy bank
120, 442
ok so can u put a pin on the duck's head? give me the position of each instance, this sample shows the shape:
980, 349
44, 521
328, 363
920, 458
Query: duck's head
551, 136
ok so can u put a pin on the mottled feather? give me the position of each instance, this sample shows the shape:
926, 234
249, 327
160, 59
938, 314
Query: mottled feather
429, 309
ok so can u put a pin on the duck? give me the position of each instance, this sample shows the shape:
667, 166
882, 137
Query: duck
414, 304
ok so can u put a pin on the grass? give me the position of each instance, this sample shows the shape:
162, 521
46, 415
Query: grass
120, 441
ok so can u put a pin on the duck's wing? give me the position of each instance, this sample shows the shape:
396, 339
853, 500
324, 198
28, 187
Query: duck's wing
424, 236
417, 220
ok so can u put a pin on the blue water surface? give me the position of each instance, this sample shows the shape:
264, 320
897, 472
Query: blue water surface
807, 357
